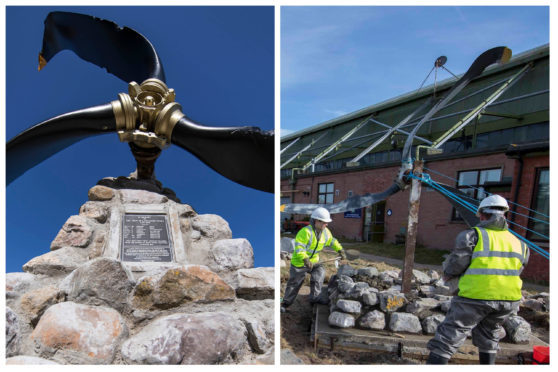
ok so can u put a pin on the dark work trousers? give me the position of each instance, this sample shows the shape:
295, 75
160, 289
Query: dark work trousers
296, 278
482, 318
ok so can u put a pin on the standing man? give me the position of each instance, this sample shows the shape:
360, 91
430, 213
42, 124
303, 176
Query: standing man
309, 241
489, 259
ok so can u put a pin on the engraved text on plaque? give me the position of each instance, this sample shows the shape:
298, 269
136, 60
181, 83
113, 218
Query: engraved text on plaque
145, 238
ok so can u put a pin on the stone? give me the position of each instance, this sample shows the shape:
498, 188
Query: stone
201, 338
431, 323
372, 320
447, 288
102, 282
176, 286
100, 193
370, 272
404, 322
394, 288
27, 359
434, 275
517, 329
289, 358
287, 244
533, 304
95, 210
18, 283
255, 284
386, 278
420, 277
211, 227
358, 290
58, 262
341, 320
344, 283
128, 196
34, 303
422, 304
231, 254
98, 246
349, 306
370, 299
428, 290
391, 301
79, 334
12, 333
442, 298
76, 232
347, 270
257, 337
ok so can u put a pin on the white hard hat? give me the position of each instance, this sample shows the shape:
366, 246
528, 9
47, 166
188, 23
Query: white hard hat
493, 201
321, 214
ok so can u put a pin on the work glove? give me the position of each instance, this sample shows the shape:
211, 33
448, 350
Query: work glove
342, 254
308, 264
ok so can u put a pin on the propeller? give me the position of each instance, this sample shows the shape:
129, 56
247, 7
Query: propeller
147, 116
494, 55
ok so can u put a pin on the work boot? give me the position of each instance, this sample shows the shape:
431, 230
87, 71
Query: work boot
436, 359
487, 358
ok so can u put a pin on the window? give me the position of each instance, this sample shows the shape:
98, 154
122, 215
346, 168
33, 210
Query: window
471, 183
325, 193
540, 203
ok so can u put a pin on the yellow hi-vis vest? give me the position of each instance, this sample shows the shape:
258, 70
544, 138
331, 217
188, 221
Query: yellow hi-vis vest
308, 246
495, 266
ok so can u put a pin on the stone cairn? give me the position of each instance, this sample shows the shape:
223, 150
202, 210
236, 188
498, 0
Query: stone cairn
76, 305
369, 299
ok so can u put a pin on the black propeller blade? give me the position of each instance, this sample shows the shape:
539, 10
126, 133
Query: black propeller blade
45, 139
124, 52
243, 154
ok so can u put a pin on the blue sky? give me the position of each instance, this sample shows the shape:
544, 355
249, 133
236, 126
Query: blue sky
336, 60
219, 60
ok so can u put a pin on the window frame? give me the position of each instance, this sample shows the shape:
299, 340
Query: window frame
326, 193
454, 214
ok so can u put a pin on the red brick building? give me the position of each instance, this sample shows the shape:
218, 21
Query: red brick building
505, 151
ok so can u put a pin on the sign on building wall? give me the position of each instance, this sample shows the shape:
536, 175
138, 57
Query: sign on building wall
356, 213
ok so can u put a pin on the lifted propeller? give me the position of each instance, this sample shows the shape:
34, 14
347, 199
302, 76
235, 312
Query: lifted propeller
147, 116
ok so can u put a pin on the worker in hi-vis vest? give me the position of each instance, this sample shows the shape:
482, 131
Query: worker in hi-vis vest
488, 259
309, 241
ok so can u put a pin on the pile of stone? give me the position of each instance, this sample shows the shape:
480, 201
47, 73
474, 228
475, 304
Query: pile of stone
80, 304
369, 299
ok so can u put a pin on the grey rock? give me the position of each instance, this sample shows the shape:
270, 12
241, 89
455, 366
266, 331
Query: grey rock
391, 301
445, 306
347, 270
394, 288
59, 262
345, 283
394, 274
100, 193
283, 263
201, 338
341, 320
370, 272
287, 244
18, 283
372, 320
231, 254
431, 323
102, 282
358, 290
27, 359
212, 227
534, 304
370, 298
95, 210
428, 290
12, 333
349, 306
79, 334
404, 322
442, 298
128, 196
422, 304
76, 232
34, 303
434, 275
289, 358
517, 329
255, 284
257, 337
421, 278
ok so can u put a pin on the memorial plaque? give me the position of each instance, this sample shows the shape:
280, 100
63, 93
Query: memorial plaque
145, 238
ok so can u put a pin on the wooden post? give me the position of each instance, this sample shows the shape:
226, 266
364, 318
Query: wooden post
412, 225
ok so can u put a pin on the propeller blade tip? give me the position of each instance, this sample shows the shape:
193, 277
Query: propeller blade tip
282, 208
42, 62
506, 55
